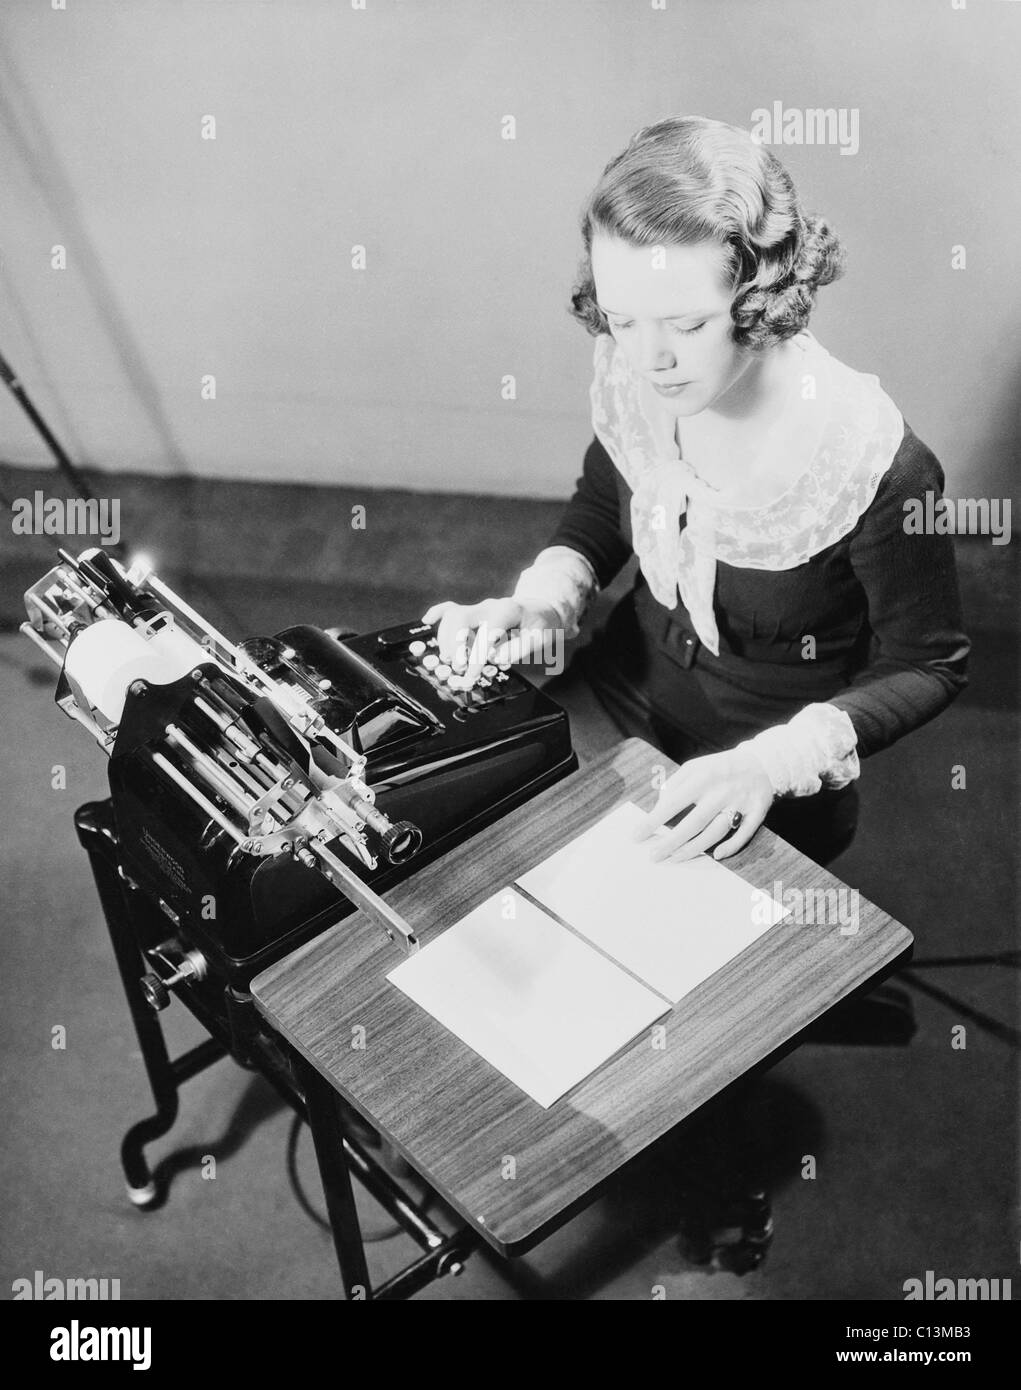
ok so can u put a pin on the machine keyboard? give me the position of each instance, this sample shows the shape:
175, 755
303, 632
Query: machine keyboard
415, 645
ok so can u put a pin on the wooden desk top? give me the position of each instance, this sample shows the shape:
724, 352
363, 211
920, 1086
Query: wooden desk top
455, 1118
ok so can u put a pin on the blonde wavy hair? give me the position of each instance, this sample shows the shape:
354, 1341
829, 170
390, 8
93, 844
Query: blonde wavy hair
688, 180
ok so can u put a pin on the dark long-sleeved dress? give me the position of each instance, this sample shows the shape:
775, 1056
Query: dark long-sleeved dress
882, 607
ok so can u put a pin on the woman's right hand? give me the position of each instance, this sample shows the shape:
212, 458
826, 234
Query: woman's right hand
498, 630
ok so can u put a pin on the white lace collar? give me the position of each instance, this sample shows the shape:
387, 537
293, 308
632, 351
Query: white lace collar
846, 436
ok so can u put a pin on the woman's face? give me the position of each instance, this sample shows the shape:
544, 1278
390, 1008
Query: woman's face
669, 309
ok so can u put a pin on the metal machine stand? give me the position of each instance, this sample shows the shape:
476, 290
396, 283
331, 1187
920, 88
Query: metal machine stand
235, 1031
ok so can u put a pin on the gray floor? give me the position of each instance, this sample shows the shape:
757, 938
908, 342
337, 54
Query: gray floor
915, 1146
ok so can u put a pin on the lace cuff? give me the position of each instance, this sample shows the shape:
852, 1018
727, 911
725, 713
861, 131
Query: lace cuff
561, 580
813, 750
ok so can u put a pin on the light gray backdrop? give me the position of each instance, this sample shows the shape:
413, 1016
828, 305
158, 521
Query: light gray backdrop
381, 126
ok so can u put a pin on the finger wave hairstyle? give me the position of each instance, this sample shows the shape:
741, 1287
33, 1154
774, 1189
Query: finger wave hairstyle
688, 180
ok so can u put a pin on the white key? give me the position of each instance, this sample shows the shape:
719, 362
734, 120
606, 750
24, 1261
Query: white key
442, 671
430, 661
417, 648
489, 671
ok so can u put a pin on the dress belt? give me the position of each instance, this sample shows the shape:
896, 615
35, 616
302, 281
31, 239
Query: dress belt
683, 646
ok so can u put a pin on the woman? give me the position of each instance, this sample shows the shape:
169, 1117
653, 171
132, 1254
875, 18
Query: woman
782, 625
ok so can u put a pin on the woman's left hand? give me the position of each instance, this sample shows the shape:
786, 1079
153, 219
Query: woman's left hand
717, 788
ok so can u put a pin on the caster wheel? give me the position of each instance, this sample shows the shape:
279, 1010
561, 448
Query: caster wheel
146, 1196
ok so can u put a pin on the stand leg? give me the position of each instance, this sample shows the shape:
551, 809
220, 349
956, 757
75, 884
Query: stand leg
142, 1188
328, 1136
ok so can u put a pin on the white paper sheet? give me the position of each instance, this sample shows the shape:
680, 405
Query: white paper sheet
672, 925
536, 1002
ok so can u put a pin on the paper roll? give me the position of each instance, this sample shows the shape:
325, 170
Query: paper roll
103, 660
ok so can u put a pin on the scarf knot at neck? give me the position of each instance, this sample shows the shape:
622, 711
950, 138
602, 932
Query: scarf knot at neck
677, 557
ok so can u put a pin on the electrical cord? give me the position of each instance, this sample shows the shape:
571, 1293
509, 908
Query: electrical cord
302, 1198
1003, 1031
